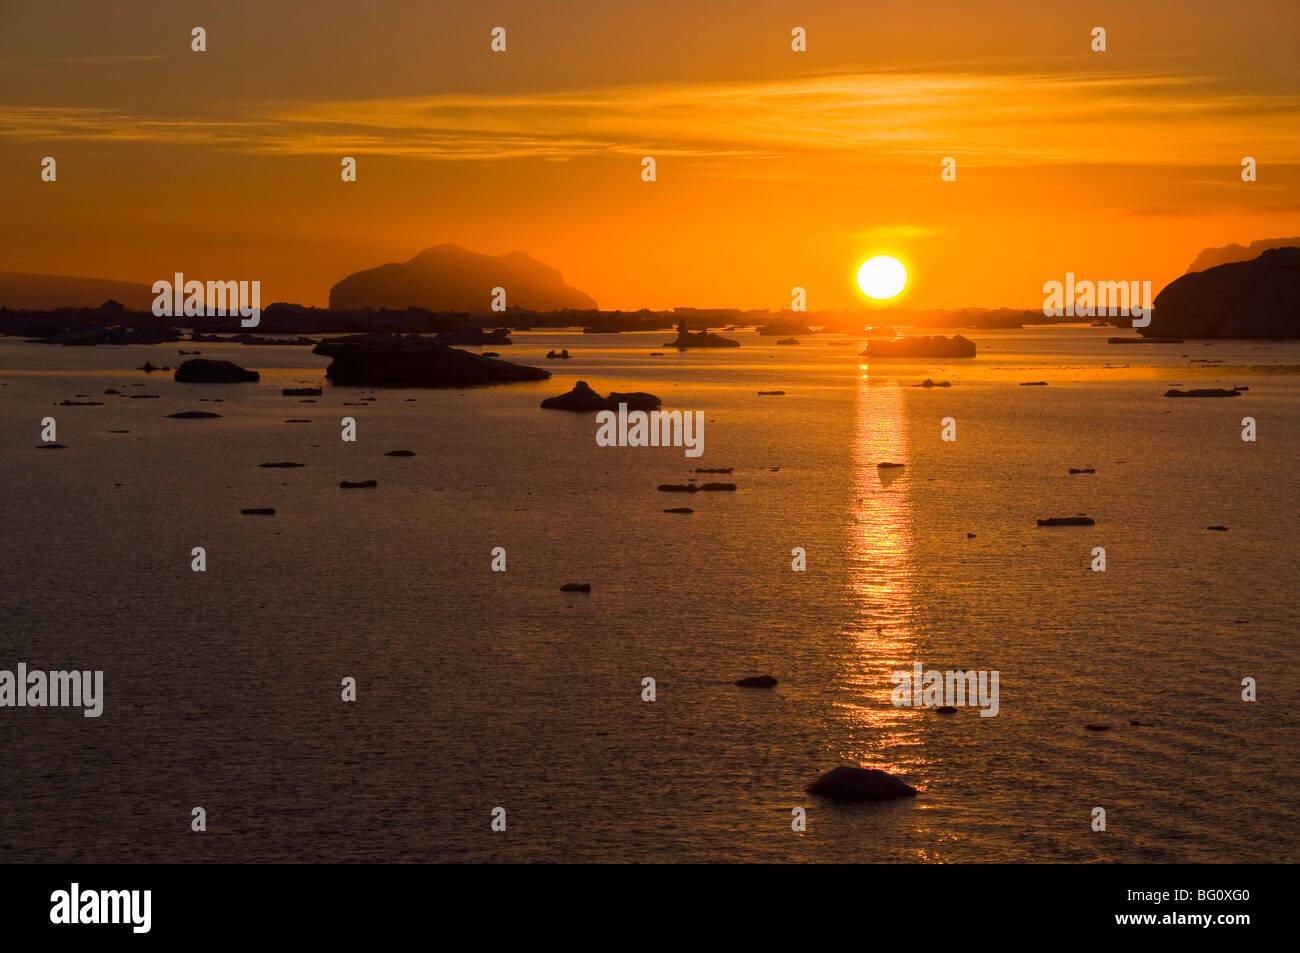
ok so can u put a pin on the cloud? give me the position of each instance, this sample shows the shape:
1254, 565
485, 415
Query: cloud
888, 233
1002, 119
109, 62
1166, 212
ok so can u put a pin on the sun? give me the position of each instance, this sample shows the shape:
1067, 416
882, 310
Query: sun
882, 277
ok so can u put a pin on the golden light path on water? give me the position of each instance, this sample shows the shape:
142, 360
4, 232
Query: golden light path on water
879, 637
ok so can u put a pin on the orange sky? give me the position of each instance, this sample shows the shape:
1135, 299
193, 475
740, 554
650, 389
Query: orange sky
775, 168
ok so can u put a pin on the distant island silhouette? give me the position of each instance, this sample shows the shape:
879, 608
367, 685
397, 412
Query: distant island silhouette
450, 278
38, 292
1223, 255
1253, 298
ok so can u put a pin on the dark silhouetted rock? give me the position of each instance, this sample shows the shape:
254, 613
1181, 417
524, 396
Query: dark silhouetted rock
281, 466
91, 333
300, 392
887, 466
1153, 339
680, 509
860, 784
1033, 383
583, 399
1083, 470
1068, 521
1204, 392
1097, 727
576, 587
400, 453
946, 710
1259, 298
391, 360
1221, 529
787, 341
771, 393
259, 511
693, 488
757, 681
936, 346
714, 469
688, 339
562, 355
929, 383
81, 403
50, 446
193, 415
361, 485
257, 340
201, 370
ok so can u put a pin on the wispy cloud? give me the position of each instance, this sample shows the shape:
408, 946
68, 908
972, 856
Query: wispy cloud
1165, 212
886, 233
108, 62
987, 119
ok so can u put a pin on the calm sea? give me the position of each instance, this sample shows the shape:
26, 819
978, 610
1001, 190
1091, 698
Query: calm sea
480, 689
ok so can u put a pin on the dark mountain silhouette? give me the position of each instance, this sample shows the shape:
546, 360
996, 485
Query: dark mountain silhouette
1243, 299
449, 278
1213, 257
391, 360
33, 292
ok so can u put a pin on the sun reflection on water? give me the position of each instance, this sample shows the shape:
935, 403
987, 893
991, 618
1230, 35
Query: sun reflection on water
878, 636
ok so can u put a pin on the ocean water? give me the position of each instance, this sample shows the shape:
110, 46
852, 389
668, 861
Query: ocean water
479, 690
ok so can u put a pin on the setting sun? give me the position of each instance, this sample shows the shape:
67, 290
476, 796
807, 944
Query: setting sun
882, 277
